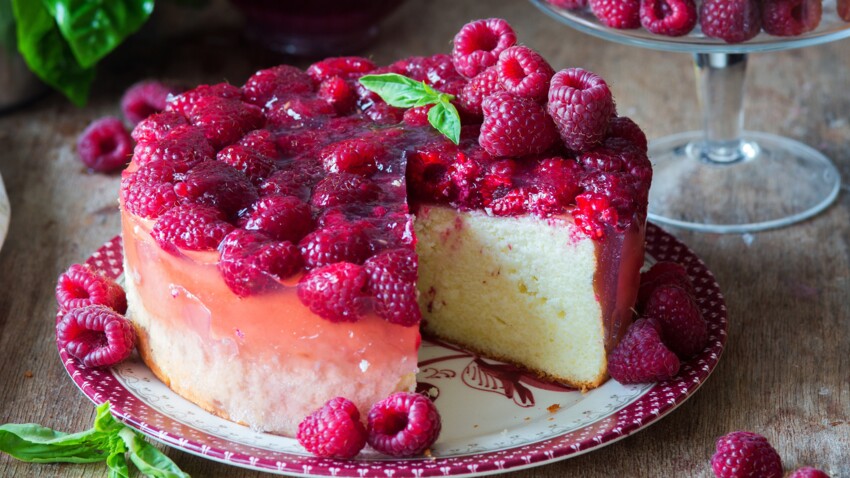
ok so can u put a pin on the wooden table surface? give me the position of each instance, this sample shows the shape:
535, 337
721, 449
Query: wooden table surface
785, 372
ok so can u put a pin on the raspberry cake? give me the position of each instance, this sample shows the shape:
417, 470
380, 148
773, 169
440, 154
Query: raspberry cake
285, 240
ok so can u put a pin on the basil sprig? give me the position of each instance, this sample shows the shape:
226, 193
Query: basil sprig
403, 92
108, 440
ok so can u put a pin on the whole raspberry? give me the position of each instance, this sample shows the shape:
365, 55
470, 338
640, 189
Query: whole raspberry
105, 145
569, 4
523, 72
672, 18
191, 227
435, 70
293, 112
385, 114
581, 105
251, 262
344, 188
662, 273
641, 356
808, 472
335, 292
619, 14
745, 455
601, 158
515, 126
733, 21
417, 116
184, 102
335, 244
392, 282
790, 17
333, 431
284, 218
357, 156
225, 120
343, 67
483, 85
255, 166
403, 424
156, 126
562, 176
144, 99
338, 93
97, 335
478, 45
294, 179
684, 329
276, 82
81, 286
623, 127
261, 141
182, 144
217, 184
149, 191
513, 203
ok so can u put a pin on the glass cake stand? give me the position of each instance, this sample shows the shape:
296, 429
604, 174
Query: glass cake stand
724, 179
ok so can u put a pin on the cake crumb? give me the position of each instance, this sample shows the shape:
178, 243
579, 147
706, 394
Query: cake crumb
554, 407
527, 418
475, 426
28, 374
551, 419
428, 454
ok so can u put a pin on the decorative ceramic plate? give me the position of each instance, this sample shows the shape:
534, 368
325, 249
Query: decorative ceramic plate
5, 213
495, 417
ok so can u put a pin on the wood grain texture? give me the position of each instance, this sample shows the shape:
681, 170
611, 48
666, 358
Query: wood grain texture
786, 369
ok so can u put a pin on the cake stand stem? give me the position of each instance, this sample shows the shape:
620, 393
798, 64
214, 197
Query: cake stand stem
720, 88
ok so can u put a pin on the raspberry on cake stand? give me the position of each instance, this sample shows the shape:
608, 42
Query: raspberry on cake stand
743, 181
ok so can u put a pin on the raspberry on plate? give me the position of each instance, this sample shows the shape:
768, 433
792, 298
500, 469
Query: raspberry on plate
82, 286
515, 126
478, 45
684, 329
344, 242
284, 218
744, 454
672, 18
192, 227
523, 72
662, 273
333, 431
105, 145
790, 17
582, 106
403, 424
97, 335
251, 262
335, 292
392, 282
144, 99
733, 21
808, 472
619, 14
641, 356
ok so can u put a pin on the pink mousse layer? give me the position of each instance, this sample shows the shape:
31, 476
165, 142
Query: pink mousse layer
264, 360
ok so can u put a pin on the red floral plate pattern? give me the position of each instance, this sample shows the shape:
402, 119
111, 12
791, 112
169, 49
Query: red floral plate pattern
519, 422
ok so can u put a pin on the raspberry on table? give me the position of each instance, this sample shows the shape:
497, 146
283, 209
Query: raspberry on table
181, 144
149, 191
333, 431
344, 188
623, 127
251, 262
156, 126
619, 14
403, 424
192, 227
347, 67
392, 282
672, 18
790, 17
276, 82
284, 218
523, 72
515, 126
808, 472
733, 21
478, 44
582, 106
255, 166
335, 244
144, 99
217, 184
744, 454
335, 292
481, 86
97, 335
684, 329
356, 156
662, 273
185, 102
81, 286
224, 121
105, 145
641, 356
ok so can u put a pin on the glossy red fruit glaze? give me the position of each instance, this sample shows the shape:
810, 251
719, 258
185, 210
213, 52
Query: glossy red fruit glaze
275, 82
333, 431
515, 126
191, 227
435, 70
297, 111
343, 67
81, 286
294, 179
224, 121
157, 126
581, 106
417, 116
641, 357
335, 292
427, 170
284, 218
671, 18
523, 72
217, 184
484, 84
105, 145
478, 45
660, 274
182, 144
356, 156
513, 203
384, 114
623, 127
403, 424
255, 166
392, 282
733, 21
338, 189
561, 176
569, 4
144, 99
790, 17
744, 454
619, 14
684, 329
338, 93
253, 263
149, 191
808, 472
338, 243
184, 102
96, 335
261, 141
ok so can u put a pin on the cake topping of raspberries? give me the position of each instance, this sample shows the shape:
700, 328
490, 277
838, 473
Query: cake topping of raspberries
335, 292
82, 286
561, 176
339, 189
808, 472
276, 82
623, 127
192, 227
285, 218
392, 282
523, 72
224, 120
97, 335
662, 273
403, 424
342, 67
620, 14
181, 144
261, 141
668, 17
515, 126
483, 85
581, 105
184, 102
357, 156
790, 17
338, 93
478, 45
251, 262
333, 431
105, 145
733, 21
255, 166
641, 356
217, 184
156, 126
149, 191
684, 329
144, 99
745, 455
345, 242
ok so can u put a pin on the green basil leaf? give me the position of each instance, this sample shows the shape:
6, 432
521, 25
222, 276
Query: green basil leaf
400, 91
444, 118
46, 53
93, 28
38, 444
7, 26
105, 422
148, 459
117, 464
